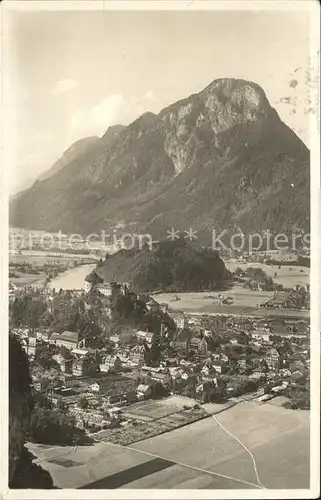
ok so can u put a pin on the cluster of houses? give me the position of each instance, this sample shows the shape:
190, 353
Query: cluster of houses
181, 372
299, 298
190, 335
85, 361
206, 353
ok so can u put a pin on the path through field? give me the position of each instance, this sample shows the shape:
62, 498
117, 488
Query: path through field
243, 446
246, 447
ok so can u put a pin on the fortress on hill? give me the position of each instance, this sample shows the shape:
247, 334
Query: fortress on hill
94, 282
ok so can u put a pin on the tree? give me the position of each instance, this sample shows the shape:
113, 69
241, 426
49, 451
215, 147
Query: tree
208, 394
250, 386
90, 364
22, 472
158, 350
52, 427
43, 401
61, 405
83, 403
158, 390
238, 272
269, 283
43, 357
18, 310
65, 353
37, 309
243, 338
188, 391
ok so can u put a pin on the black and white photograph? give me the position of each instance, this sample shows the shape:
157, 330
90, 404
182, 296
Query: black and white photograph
160, 265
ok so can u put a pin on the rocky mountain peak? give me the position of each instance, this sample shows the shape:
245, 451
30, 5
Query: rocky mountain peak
225, 114
230, 101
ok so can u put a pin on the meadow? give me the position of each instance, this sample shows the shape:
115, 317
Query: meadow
244, 301
213, 453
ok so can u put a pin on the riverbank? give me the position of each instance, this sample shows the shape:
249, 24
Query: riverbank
29, 268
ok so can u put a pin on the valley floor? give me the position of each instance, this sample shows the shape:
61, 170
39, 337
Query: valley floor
245, 302
246, 446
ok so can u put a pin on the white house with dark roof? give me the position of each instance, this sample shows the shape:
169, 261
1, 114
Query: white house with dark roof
272, 358
111, 363
179, 319
144, 336
143, 391
218, 366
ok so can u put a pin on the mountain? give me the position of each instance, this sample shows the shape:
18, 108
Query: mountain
79, 149
111, 133
172, 266
76, 150
219, 159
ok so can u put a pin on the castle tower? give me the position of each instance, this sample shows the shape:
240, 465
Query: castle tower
91, 280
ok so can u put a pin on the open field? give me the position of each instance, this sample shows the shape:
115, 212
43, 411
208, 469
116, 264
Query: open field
288, 276
28, 279
44, 262
47, 258
154, 417
154, 409
200, 455
129, 434
244, 302
205, 301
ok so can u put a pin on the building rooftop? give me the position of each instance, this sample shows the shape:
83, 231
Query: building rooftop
217, 363
142, 388
80, 352
70, 336
160, 376
110, 358
141, 333
273, 351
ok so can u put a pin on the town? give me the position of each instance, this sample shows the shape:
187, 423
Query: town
109, 357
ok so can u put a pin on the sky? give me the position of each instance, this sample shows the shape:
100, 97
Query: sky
73, 74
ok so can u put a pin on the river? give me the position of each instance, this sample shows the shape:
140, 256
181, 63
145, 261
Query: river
72, 279
289, 277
